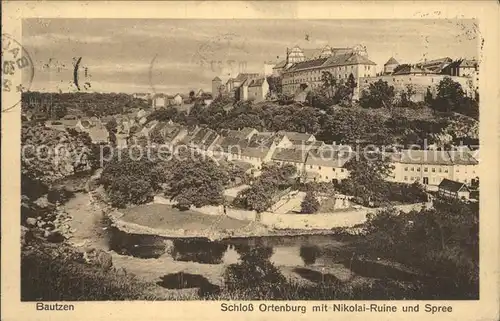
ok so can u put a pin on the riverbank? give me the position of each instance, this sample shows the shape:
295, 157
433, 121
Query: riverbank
214, 232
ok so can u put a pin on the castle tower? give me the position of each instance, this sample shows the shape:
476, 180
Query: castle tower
216, 85
390, 65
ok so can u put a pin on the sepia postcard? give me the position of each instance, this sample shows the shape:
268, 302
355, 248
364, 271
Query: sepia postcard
268, 160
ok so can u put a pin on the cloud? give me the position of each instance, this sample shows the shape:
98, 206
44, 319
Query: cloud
187, 52
53, 39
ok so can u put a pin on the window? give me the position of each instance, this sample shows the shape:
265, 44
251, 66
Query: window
333, 169
406, 178
406, 169
446, 170
319, 167
412, 169
326, 177
418, 169
433, 170
440, 170
341, 170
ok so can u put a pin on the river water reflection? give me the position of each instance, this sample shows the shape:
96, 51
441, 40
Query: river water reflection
285, 250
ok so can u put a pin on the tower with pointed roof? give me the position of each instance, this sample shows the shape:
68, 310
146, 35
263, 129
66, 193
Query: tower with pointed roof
390, 65
216, 86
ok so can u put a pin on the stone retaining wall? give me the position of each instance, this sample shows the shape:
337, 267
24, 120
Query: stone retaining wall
298, 221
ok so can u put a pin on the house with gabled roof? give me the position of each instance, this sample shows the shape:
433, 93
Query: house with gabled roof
159, 101
176, 100
299, 144
229, 147
261, 147
258, 89
289, 156
431, 167
299, 137
327, 163
204, 140
453, 189
244, 133
171, 132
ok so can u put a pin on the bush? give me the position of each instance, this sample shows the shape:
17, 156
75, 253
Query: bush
60, 274
310, 204
255, 275
129, 181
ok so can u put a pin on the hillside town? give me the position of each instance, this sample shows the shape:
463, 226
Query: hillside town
319, 176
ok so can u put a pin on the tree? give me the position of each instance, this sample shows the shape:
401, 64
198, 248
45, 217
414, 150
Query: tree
351, 86
195, 115
428, 99
348, 126
443, 242
318, 100
275, 85
195, 181
351, 82
329, 83
306, 119
132, 180
191, 95
58, 111
449, 97
257, 197
111, 126
164, 114
310, 204
52, 154
406, 96
343, 95
367, 173
260, 196
156, 137
379, 94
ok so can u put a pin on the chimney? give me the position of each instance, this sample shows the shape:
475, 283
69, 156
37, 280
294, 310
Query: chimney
287, 56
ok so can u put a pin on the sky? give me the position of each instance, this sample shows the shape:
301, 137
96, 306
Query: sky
179, 55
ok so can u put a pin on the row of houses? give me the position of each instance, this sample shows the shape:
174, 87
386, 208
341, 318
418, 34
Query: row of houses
127, 124
161, 100
426, 75
302, 68
313, 159
245, 86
